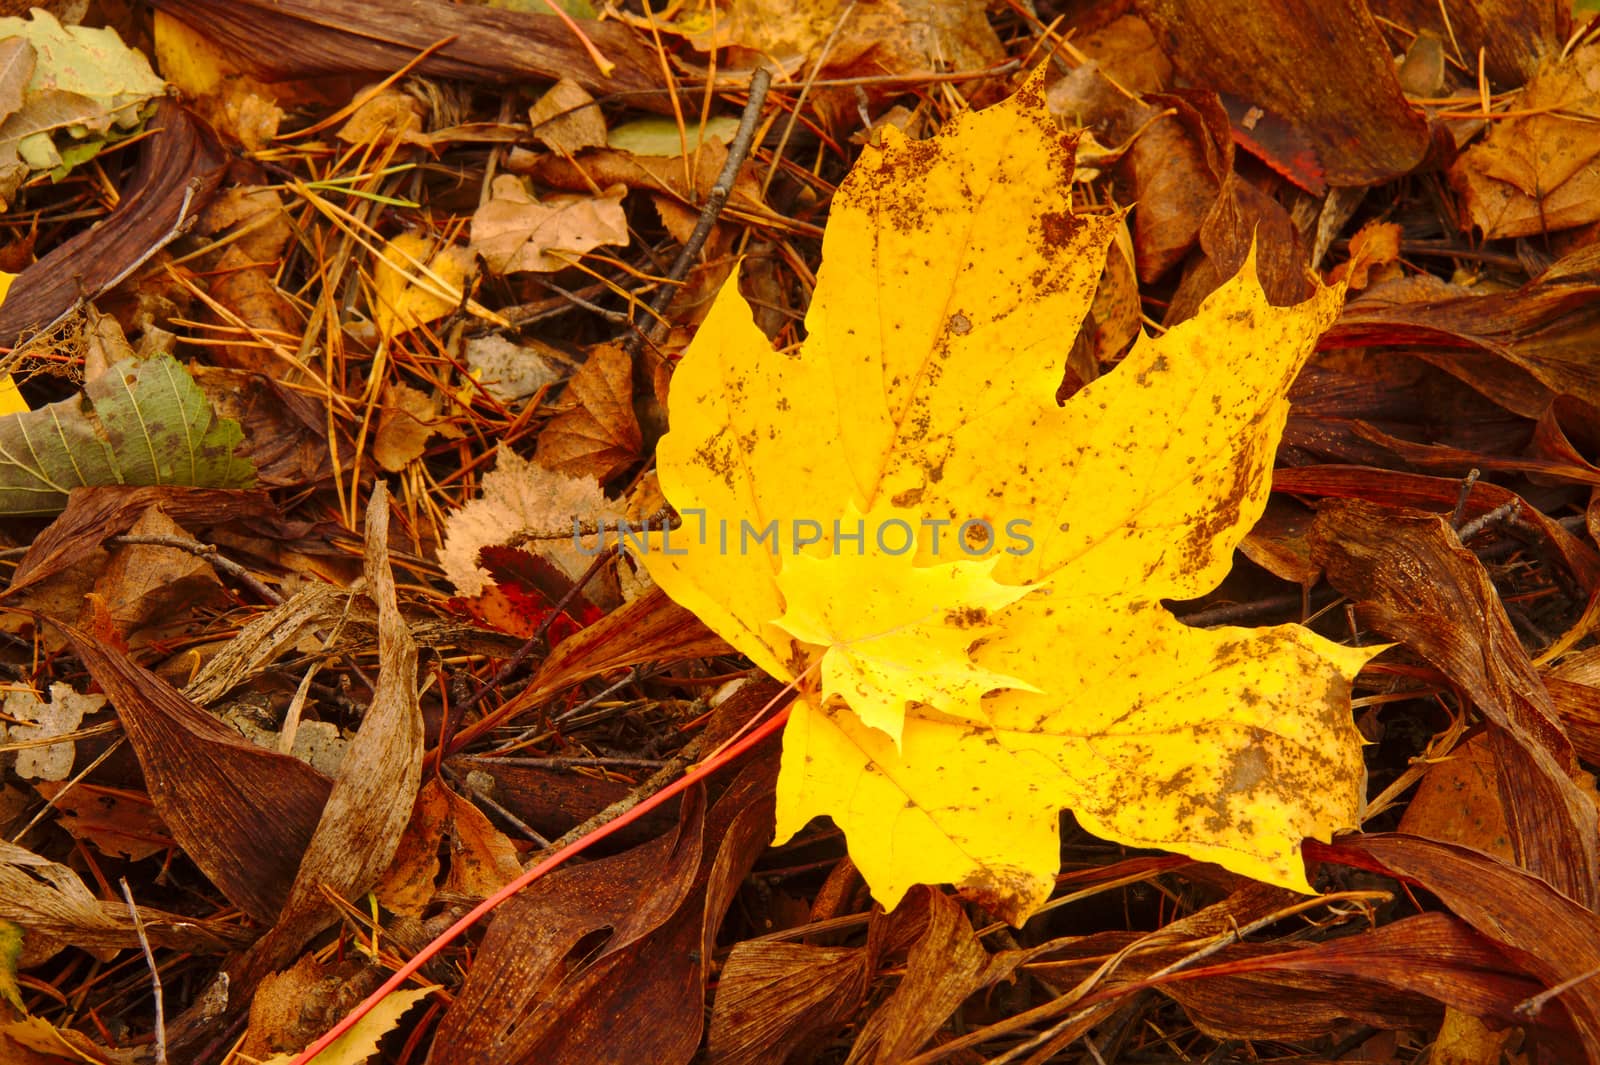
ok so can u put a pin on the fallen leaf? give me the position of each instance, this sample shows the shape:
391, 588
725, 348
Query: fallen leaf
93, 515
418, 283
924, 397
1544, 931
55, 907
1535, 172
360, 1043
148, 583
1340, 90
34, 720
85, 87
407, 419
1413, 580
779, 1001
116, 822
1514, 36
665, 137
512, 370
891, 37
522, 500
242, 814
565, 119
599, 437
607, 962
292, 39
945, 965
141, 423
390, 116
515, 231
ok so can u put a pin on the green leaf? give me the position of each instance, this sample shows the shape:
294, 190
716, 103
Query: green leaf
139, 423
659, 136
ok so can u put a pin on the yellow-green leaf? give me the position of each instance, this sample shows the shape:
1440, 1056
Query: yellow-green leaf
1017, 661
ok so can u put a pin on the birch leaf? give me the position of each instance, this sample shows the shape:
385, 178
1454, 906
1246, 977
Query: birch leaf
1016, 660
139, 423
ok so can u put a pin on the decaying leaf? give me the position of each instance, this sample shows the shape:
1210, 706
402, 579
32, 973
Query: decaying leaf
61, 715
83, 87
515, 231
916, 439
566, 119
523, 500
360, 1043
1535, 171
599, 437
140, 423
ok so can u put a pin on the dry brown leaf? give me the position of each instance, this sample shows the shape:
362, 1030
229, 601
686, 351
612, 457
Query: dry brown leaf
522, 500
482, 858
293, 1007
605, 167
117, 823
1413, 580
599, 436
1513, 35
372, 797
566, 119
94, 515
890, 37
389, 116
779, 1001
56, 908
407, 886
1458, 801
243, 814
515, 231
1535, 171
1548, 934
293, 39
252, 217
520, 1000
246, 292
407, 419
1339, 89
945, 966
638, 994
285, 627
1375, 245
146, 584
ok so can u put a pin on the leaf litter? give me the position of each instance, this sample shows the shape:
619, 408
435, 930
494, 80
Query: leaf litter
1275, 360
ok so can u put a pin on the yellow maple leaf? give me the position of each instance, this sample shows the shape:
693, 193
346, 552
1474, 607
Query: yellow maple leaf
1010, 656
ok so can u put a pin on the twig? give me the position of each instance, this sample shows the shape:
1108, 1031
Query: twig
1461, 500
208, 552
461, 781
155, 974
1504, 512
650, 330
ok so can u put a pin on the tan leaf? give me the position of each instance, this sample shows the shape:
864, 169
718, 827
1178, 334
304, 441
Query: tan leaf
516, 231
